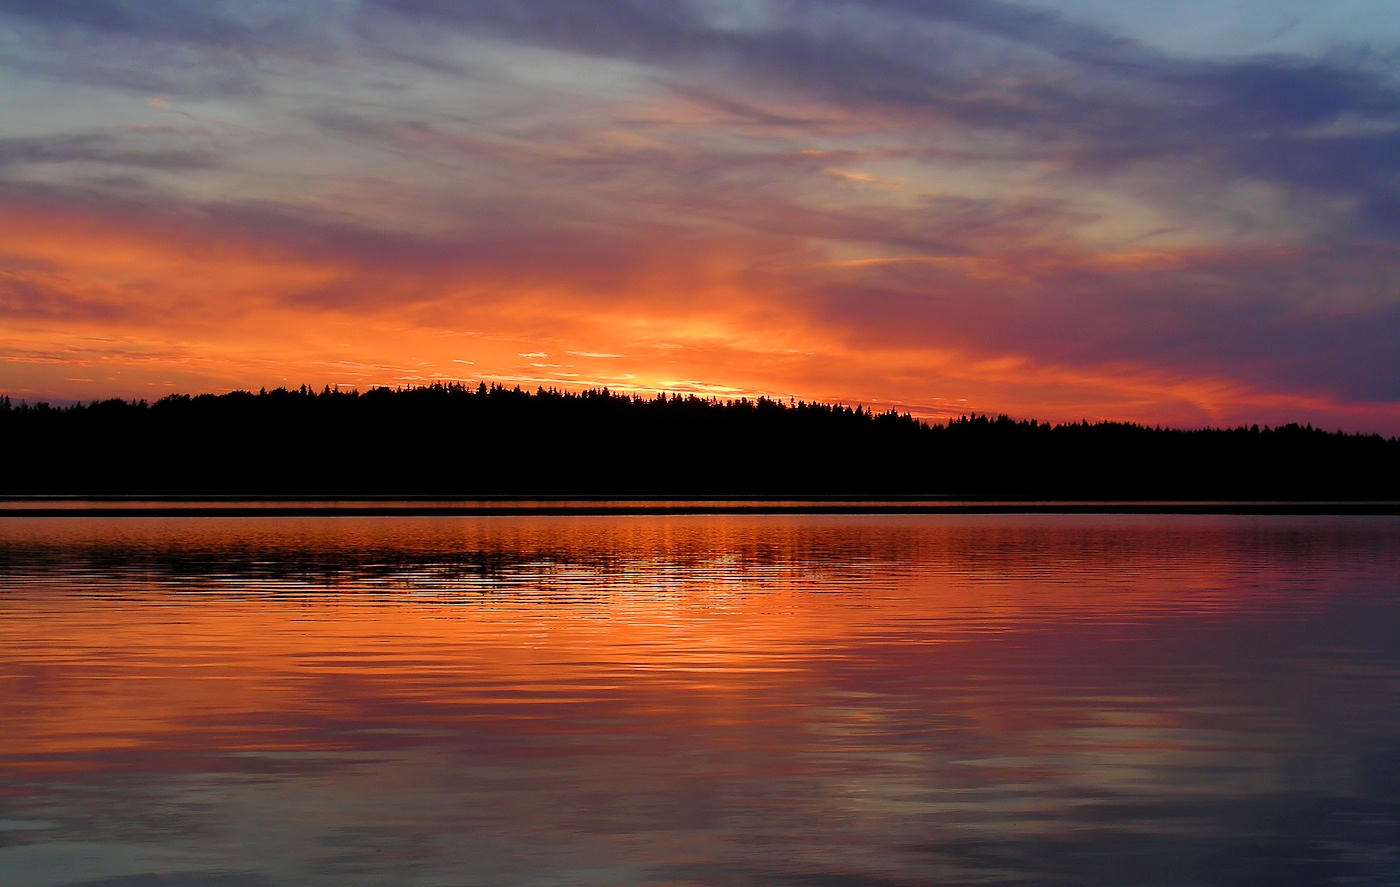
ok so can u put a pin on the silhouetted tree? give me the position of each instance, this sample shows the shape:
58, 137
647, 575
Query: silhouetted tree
489, 440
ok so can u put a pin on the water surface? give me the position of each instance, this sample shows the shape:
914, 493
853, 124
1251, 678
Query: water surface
724, 700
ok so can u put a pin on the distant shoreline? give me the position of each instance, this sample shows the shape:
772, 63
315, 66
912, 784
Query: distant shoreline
64, 507
453, 443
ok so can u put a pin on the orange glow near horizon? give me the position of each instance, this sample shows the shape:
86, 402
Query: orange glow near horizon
171, 305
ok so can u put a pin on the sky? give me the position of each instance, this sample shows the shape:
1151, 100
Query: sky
1173, 212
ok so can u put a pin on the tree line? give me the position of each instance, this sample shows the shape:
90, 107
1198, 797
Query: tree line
456, 440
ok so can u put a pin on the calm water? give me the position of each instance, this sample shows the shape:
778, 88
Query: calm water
742, 700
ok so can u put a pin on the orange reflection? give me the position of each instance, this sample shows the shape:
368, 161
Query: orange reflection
136, 638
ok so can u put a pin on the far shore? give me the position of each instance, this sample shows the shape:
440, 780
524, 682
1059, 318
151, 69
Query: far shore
212, 507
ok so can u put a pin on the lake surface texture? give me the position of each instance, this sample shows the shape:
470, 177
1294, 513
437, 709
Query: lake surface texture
730, 700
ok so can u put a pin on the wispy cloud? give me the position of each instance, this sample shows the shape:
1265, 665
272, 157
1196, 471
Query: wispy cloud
98, 148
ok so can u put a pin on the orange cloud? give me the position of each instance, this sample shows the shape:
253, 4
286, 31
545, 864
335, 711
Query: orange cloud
103, 301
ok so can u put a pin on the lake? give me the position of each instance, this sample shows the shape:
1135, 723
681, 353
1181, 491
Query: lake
727, 700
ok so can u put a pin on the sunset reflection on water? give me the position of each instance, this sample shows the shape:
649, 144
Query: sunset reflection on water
727, 700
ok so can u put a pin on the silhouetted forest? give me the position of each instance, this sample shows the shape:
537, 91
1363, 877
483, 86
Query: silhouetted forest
461, 441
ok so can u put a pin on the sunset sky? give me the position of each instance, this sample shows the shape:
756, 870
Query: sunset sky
1170, 211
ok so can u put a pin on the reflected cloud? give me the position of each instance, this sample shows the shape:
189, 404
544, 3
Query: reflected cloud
717, 700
